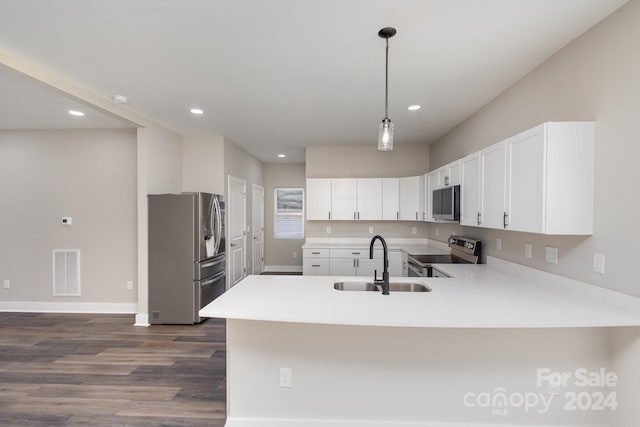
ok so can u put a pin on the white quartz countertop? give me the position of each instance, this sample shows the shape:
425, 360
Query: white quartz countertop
499, 295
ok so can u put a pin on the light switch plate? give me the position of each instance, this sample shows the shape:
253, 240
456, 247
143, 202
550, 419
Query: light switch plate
499, 245
67, 220
370, 230
551, 255
598, 263
286, 379
7, 284
528, 250
414, 230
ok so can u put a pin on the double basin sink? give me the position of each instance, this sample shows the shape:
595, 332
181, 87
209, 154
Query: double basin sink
375, 287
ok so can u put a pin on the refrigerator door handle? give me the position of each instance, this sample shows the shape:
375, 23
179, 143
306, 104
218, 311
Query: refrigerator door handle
219, 225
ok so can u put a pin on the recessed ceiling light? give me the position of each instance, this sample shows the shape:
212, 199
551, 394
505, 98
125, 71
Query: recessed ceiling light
76, 113
414, 107
196, 111
282, 156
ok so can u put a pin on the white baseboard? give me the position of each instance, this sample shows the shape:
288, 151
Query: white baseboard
69, 307
284, 268
142, 320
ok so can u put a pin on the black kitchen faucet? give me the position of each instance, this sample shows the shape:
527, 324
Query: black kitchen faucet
385, 273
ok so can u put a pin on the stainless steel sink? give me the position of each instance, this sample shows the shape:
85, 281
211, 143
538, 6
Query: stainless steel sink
408, 287
374, 287
355, 286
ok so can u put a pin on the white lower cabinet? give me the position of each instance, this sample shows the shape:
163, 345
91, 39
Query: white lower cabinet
350, 262
315, 262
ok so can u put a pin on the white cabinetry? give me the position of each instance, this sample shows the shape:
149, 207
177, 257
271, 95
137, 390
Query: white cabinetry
431, 183
410, 198
470, 190
350, 262
539, 181
448, 175
369, 199
315, 262
390, 198
549, 179
492, 183
343, 199
354, 262
318, 193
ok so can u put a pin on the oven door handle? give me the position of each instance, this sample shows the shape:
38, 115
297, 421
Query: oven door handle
411, 267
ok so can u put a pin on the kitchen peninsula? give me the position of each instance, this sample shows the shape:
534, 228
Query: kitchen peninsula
362, 358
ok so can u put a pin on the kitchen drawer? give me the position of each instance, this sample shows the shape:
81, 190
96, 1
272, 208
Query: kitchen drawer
353, 253
315, 253
315, 267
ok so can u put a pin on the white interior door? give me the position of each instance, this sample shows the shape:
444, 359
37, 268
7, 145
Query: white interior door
258, 229
237, 214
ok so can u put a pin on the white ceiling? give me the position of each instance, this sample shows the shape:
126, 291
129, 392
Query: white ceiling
279, 75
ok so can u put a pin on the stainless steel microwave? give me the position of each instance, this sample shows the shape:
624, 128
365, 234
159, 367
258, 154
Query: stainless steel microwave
446, 203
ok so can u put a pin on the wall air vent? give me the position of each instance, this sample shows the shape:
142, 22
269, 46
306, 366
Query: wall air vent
66, 272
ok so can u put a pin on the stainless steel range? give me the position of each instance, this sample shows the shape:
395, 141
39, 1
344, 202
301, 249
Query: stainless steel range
463, 251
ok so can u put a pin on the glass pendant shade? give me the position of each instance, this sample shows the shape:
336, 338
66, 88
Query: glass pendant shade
385, 135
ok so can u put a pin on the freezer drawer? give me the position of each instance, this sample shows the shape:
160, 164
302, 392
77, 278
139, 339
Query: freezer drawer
206, 291
209, 267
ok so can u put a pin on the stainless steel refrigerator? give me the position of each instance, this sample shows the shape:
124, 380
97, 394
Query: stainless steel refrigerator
186, 255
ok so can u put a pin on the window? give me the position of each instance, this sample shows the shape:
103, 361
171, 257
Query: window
289, 213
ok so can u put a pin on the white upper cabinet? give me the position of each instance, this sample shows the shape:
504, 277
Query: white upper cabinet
492, 182
448, 175
390, 198
549, 179
318, 194
410, 209
431, 183
470, 190
343, 199
369, 199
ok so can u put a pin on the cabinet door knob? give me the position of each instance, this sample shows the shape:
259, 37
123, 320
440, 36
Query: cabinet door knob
504, 219
478, 218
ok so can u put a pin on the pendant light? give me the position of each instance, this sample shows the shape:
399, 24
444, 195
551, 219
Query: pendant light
385, 130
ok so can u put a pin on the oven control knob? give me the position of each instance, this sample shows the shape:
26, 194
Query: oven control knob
469, 245
452, 241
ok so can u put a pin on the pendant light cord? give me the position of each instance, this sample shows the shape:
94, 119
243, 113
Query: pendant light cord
386, 80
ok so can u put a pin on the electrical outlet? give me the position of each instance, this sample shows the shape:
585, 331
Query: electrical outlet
67, 220
129, 284
437, 232
370, 230
598, 263
499, 245
527, 250
7, 284
328, 229
551, 255
295, 254
286, 377
414, 230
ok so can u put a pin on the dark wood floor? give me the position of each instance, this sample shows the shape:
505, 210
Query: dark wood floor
100, 370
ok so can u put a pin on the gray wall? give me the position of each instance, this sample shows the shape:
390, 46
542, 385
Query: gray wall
366, 162
240, 164
596, 77
89, 175
202, 164
280, 251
